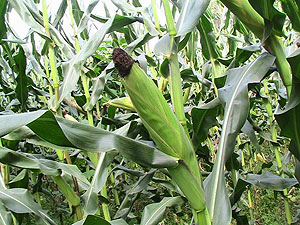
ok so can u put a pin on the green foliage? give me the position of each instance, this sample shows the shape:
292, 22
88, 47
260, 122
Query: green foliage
204, 129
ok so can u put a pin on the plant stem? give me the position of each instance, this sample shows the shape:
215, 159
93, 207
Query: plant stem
69, 194
52, 59
112, 180
46, 66
281, 62
170, 22
104, 205
156, 20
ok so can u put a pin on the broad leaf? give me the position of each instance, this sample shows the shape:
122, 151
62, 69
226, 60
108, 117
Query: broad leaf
21, 88
154, 212
292, 9
5, 216
92, 220
67, 133
186, 23
235, 97
270, 181
291, 113
20, 201
99, 179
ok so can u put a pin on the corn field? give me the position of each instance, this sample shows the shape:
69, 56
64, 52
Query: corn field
150, 112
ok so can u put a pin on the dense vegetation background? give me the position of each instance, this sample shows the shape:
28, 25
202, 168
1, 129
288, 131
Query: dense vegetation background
76, 143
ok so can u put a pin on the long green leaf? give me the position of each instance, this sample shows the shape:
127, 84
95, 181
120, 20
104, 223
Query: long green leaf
5, 216
154, 213
292, 9
29, 13
291, 113
186, 23
47, 167
92, 220
67, 133
100, 176
21, 88
235, 97
20, 201
3, 5
72, 69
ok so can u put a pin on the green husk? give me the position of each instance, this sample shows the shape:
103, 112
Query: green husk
165, 130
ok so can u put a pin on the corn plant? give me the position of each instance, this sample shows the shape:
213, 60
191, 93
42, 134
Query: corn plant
169, 112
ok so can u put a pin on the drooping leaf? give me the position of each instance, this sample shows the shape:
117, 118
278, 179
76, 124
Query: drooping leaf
207, 38
235, 97
68, 133
203, 119
267, 10
5, 216
291, 113
292, 9
153, 213
186, 23
19, 200
270, 181
47, 167
132, 194
99, 179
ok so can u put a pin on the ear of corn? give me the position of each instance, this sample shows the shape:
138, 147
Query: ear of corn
163, 126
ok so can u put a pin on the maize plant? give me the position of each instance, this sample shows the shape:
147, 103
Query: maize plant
149, 112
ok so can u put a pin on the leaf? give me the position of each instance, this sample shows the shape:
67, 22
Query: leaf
291, 113
3, 5
132, 194
297, 170
203, 120
153, 213
72, 69
118, 222
128, 8
99, 179
235, 97
207, 39
29, 13
248, 129
21, 88
270, 181
17, 121
271, 14
47, 167
60, 13
68, 133
292, 9
86, 16
19, 200
92, 220
119, 21
186, 23
5, 216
